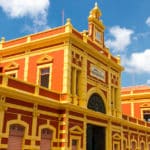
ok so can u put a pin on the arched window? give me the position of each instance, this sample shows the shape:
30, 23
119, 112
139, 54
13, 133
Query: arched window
133, 145
46, 138
142, 146
96, 103
16, 134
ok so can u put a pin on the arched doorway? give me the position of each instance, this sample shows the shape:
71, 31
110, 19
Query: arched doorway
96, 134
16, 134
46, 139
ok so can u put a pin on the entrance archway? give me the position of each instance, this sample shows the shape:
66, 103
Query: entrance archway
16, 134
96, 134
95, 137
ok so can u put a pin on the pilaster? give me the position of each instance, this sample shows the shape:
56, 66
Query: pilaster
63, 130
109, 136
3, 108
109, 94
119, 112
83, 83
26, 66
85, 133
74, 77
67, 69
132, 109
34, 125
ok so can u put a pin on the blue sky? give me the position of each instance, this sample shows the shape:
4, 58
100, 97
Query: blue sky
127, 27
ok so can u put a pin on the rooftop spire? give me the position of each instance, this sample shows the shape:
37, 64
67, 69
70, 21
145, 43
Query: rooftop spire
95, 12
96, 27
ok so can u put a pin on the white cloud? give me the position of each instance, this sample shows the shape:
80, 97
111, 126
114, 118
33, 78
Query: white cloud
122, 38
148, 21
34, 9
148, 82
138, 62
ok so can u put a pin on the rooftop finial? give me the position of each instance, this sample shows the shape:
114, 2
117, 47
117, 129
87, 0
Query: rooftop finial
3, 39
96, 4
68, 25
68, 20
95, 12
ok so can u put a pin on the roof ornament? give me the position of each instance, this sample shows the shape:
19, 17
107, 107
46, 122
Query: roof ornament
3, 39
68, 25
96, 5
68, 21
95, 12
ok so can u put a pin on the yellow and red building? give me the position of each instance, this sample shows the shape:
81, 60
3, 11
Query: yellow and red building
60, 90
136, 102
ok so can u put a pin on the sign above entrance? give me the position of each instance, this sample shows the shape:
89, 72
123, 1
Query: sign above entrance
97, 73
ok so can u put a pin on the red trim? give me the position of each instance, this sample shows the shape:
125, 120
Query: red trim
0, 79
18, 102
48, 109
96, 119
76, 114
21, 85
62, 127
7, 117
27, 142
4, 140
50, 94
37, 143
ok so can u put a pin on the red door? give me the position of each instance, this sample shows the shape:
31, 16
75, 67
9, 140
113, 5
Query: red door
46, 137
15, 137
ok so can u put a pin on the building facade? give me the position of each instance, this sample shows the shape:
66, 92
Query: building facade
60, 90
136, 102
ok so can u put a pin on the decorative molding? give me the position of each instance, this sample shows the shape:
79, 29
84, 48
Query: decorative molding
20, 122
145, 105
76, 130
45, 59
117, 136
50, 127
11, 66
